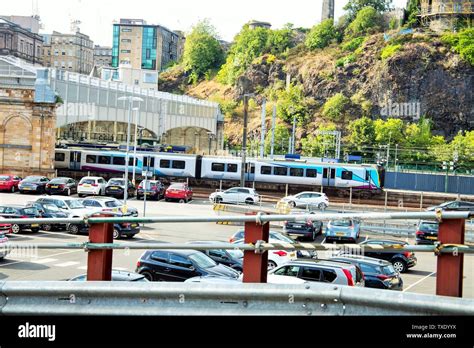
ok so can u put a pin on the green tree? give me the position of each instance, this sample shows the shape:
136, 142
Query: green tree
319, 145
354, 6
362, 133
202, 51
282, 137
412, 11
367, 21
389, 131
336, 107
419, 140
279, 41
291, 102
321, 35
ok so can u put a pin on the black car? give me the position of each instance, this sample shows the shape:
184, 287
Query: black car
121, 230
224, 257
51, 211
309, 229
454, 206
179, 265
427, 232
33, 184
21, 212
154, 190
401, 261
117, 276
378, 274
61, 186
116, 188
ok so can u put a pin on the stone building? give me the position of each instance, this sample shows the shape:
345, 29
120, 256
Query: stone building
27, 123
442, 15
328, 10
20, 42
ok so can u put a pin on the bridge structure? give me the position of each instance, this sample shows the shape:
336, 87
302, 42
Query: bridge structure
90, 109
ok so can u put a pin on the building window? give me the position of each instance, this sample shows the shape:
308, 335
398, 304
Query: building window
123, 40
126, 30
125, 51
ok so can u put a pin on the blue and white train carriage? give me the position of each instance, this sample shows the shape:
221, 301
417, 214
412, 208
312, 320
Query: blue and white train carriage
363, 177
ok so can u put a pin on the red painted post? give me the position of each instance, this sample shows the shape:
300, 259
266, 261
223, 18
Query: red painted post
99, 262
449, 276
256, 265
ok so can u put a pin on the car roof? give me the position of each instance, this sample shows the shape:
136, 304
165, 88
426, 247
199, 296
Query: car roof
186, 252
62, 198
14, 206
61, 178
92, 177
390, 241
119, 274
95, 198
319, 262
429, 222
364, 259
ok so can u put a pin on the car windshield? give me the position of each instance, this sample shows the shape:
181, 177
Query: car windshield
202, 261
51, 208
58, 181
112, 204
4, 178
282, 237
388, 270
72, 204
445, 204
88, 181
30, 211
32, 179
149, 184
429, 226
342, 223
116, 182
177, 187
235, 253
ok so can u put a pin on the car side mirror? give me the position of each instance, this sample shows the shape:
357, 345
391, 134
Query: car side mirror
192, 268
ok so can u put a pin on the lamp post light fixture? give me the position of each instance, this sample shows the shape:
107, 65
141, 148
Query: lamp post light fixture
130, 100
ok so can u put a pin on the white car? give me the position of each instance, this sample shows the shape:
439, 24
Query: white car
271, 279
107, 204
71, 206
308, 200
91, 186
242, 195
276, 258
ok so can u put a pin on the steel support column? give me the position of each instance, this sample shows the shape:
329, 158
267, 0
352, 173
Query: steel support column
256, 264
449, 278
99, 262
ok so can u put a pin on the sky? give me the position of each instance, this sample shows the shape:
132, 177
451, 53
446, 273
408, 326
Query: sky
97, 16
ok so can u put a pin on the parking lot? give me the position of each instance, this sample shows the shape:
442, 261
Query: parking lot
65, 264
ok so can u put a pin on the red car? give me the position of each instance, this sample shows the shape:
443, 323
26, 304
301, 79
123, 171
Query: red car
9, 183
179, 192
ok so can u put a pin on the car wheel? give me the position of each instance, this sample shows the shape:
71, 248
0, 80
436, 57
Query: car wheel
182, 201
116, 234
313, 236
400, 266
13, 189
68, 192
292, 204
35, 230
218, 200
16, 229
73, 229
79, 195
46, 228
148, 276
130, 236
271, 265
167, 200
249, 201
322, 206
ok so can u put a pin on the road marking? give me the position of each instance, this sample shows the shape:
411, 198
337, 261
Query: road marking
82, 268
43, 261
366, 238
324, 241
67, 264
419, 281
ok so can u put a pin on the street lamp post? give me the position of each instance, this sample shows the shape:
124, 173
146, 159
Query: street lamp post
130, 100
293, 135
137, 120
244, 139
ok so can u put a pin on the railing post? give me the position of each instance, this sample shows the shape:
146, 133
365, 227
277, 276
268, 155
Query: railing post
449, 276
99, 262
255, 265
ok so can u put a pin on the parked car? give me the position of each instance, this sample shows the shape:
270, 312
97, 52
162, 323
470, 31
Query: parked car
179, 192
91, 185
401, 261
50, 211
74, 208
179, 265
236, 195
154, 190
222, 256
33, 184
126, 230
116, 188
117, 276
308, 229
9, 183
454, 205
271, 279
378, 274
21, 212
4, 230
342, 273
277, 237
343, 230
108, 204
427, 232
308, 200
61, 186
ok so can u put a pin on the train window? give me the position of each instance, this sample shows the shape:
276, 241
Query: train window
367, 175
266, 170
104, 159
299, 172
232, 168
149, 162
130, 162
119, 161
325, 173
346, 175
280, 171
165, 164
59, 157
91, 159
311, 173
218, 167
179, 165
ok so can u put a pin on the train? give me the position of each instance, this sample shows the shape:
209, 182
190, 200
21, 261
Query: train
188, 166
